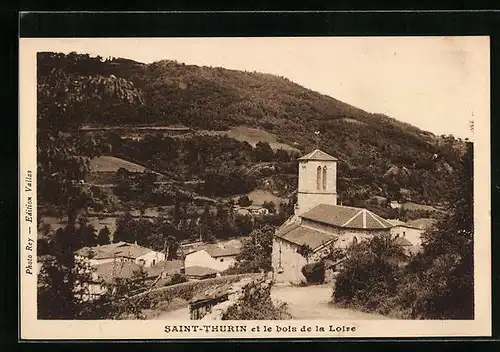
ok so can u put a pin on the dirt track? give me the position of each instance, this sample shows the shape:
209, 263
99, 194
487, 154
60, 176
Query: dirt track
313, 303
304, 303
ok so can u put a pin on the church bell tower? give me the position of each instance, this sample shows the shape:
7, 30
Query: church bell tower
317, 181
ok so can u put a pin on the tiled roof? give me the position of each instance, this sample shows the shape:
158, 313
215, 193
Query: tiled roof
132, 251
396, 222
348, 217
120, 249
222, 251
199, 271
301, 235
169, 266
123, 270
318, 155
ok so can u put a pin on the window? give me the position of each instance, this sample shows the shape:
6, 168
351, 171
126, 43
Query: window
154, 261
221, 260
318, 178
404, 233
355, 240
324, 177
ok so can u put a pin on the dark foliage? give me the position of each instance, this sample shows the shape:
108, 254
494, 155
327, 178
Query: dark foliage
368, 145
314, 272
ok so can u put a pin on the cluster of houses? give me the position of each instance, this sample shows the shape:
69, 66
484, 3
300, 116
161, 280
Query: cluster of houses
124, 260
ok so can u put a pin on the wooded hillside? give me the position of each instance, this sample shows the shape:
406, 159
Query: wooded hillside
378, 155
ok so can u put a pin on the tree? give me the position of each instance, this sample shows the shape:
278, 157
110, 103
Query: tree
263, 152
125, 228
314, 272
244, 201
370, 273
103, 237
282, 156
255, 255
243, 224
270, 206
444, 270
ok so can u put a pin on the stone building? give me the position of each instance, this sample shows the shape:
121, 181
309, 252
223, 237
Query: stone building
319, 224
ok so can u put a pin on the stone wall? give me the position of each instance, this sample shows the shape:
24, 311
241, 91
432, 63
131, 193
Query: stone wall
186, 290
242, 294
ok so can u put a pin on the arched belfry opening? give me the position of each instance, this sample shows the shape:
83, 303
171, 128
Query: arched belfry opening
324, 177
318, 177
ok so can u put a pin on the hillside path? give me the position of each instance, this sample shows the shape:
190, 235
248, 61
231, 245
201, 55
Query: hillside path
313, 303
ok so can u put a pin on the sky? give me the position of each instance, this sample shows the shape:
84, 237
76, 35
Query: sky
438, 84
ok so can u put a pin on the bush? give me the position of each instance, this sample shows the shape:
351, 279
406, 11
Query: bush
370, 274
314, 272
177, 279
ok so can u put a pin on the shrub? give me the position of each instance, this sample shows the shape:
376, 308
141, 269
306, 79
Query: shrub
177, 279
370, 274
314, 272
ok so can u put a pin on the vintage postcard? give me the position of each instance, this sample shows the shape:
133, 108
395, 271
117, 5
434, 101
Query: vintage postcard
305, 187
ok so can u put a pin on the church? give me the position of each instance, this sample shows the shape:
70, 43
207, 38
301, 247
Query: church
319, 224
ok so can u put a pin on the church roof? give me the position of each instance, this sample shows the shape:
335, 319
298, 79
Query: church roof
301, 235
318, 155
348, 217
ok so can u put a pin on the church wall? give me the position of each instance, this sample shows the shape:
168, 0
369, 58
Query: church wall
285, 255
308, 201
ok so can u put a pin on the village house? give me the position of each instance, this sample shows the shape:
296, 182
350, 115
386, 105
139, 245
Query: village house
121, 252
252, 210
257, 210
319, 224
167, 268
104, 276
408, 235
217, 256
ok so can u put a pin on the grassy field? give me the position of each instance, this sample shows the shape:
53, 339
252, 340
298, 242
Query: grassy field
252, 136
259, 196
112, 164
415, 206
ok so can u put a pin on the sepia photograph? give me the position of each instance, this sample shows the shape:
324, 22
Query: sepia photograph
186, 181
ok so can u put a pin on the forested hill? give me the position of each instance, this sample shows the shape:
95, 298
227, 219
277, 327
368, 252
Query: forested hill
377, 152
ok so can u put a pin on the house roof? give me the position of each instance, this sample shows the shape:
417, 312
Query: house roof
348, 217
119, 249
317, 154
199, 271
170, 267
132, 251
397, 222
123, 270
301, 235
222, 250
